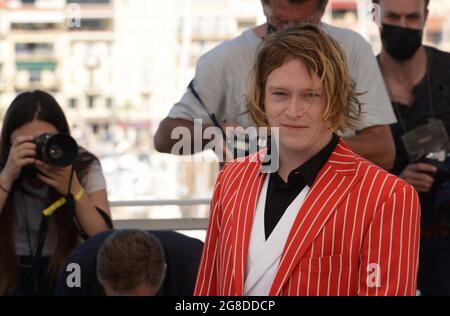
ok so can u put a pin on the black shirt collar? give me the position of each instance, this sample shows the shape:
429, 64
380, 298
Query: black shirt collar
308, 172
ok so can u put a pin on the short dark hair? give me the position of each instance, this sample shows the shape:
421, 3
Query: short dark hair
427, 2
129, 258
322, 4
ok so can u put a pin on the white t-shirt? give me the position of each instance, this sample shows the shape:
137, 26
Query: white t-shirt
222, 73
31, 208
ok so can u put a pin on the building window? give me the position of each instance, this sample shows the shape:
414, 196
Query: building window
95, 128
244, 24
91, 101
35, 76
88, 1
100, 24
73, 103
435, 37
201, 25
34, 49
30, 26
109, 103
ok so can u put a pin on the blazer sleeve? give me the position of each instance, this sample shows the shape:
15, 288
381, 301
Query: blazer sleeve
206, 284
390, 250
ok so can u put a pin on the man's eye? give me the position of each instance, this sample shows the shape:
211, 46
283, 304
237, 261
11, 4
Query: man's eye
312, 95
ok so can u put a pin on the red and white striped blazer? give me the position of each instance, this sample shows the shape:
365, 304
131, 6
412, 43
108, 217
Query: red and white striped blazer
357, 232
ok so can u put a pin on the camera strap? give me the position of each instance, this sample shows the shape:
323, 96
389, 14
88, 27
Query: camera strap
71, 208
212, 116
105, 217
42, 234
396, 106
36, 255
70, 201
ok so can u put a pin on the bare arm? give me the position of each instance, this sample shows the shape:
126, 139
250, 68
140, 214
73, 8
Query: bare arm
376, 144
22, 153
165, 142
88, 216
3, 194
85, 208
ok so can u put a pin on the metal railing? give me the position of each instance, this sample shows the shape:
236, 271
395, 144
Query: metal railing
162, 224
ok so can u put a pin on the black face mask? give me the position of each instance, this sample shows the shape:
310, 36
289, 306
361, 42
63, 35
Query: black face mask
399, 42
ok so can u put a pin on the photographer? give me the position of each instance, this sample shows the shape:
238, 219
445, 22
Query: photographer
418, 80
221, 83
44, 209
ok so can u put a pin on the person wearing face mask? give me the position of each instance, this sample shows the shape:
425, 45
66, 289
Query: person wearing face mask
221, 82
418, 80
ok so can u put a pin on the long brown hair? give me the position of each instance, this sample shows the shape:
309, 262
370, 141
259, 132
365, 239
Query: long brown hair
26, 107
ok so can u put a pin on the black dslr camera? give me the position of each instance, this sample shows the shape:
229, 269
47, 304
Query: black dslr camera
430, 144
56, 149
441, 184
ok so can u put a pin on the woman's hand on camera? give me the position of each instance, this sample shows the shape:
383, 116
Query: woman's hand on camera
57, 177
22, 153
419, 176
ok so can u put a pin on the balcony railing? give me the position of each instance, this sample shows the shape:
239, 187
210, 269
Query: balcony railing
162, 224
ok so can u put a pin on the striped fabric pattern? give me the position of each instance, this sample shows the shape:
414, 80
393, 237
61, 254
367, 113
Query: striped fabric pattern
357, 232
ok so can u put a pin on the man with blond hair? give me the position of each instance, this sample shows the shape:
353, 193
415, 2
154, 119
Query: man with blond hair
327, 222
221, 77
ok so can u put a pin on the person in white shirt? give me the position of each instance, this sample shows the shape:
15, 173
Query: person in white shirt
222, 73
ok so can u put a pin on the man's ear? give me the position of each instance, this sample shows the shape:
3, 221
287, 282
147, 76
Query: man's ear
426, 10
426, 17
266, 7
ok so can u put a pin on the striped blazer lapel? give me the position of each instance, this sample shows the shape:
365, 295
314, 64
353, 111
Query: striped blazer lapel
332, 185
244, 209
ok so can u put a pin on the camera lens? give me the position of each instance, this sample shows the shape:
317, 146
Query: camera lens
56, 149
56, 152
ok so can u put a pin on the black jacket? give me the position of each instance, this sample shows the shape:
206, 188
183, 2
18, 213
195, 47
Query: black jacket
182, 256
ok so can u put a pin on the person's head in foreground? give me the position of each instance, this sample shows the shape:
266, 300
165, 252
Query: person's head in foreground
280, 13
301, 84
131, 263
